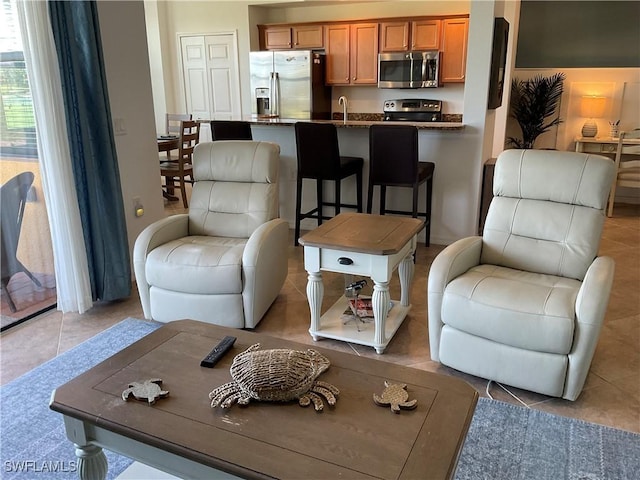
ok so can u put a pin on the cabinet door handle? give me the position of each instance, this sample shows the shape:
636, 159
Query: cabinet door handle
345, 261
354, 79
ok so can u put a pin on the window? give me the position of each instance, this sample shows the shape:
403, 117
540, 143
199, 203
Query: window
28, 280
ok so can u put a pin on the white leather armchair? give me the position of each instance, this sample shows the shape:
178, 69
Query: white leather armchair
523, 304
226, 260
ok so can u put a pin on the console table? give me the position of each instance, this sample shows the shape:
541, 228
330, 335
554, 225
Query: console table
603, 144
366, 245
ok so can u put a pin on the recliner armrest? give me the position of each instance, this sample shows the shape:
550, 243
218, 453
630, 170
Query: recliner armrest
591, 307
265, 268
158, 233
593, 296
258, 243
452, 262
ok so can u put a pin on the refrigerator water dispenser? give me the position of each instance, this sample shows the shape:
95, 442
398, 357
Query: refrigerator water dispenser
262, 101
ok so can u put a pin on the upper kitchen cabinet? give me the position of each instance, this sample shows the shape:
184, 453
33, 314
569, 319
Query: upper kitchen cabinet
394, 36
455, 33
352, 54
300, 37
425, 34
399, 36
275, 38
307, 36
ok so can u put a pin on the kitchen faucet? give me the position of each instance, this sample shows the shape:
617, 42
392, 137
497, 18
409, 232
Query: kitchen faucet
343, 101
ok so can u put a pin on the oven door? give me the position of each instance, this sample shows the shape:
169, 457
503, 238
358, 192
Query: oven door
400, 70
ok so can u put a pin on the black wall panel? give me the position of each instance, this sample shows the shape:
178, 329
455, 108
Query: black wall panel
566, 34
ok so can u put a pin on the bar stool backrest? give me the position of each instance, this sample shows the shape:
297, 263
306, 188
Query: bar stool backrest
393, 154
317, 149
230, 130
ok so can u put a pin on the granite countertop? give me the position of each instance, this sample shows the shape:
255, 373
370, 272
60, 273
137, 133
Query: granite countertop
364, 120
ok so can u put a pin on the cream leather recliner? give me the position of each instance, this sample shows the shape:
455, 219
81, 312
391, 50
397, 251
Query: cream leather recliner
523, 304
226, 260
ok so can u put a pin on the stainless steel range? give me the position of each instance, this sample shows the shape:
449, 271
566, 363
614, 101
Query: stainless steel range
413, 110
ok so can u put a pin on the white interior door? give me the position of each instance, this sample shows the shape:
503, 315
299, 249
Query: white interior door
224, 81
194, 75
211, 78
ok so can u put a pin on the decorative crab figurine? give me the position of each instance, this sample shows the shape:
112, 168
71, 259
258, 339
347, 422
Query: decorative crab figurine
395, 395
277, 375
148, 390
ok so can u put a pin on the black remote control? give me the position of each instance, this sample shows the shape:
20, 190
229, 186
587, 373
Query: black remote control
218, 352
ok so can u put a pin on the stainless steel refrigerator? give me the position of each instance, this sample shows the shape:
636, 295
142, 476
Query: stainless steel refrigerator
289, 84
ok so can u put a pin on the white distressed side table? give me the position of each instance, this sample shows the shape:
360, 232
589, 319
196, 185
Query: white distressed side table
365, 245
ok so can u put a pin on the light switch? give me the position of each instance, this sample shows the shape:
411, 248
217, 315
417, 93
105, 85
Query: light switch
119, 126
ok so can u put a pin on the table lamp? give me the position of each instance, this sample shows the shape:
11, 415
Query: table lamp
592, 107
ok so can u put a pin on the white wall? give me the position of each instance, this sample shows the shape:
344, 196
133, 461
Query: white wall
619, 85
124, 43
196, 17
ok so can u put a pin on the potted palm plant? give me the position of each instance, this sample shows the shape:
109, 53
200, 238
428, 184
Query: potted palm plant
533, 102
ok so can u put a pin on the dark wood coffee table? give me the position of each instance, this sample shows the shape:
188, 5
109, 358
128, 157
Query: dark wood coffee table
182, 435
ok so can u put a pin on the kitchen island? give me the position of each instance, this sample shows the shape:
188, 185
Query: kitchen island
434, 139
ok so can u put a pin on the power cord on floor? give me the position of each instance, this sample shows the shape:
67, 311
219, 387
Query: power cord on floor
487, 389
506, 390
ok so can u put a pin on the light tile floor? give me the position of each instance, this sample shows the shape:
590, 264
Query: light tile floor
611, 395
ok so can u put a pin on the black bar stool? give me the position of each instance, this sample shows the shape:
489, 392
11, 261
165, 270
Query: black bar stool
230, 130
393, 162
319, 159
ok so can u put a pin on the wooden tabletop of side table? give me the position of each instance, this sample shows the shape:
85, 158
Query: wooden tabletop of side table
183, 435
365, 233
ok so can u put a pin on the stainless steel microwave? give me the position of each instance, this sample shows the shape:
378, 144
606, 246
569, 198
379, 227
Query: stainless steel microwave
409, 69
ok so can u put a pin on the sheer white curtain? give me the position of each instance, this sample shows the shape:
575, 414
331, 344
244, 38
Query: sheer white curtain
70, 261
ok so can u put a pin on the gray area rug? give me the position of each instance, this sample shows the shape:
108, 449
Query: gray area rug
505, 442
33, 443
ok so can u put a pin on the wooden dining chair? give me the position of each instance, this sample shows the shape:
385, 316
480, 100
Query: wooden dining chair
627, 166
178, 168
173, 122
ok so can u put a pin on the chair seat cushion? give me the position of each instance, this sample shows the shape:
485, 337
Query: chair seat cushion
197, 264
511, 307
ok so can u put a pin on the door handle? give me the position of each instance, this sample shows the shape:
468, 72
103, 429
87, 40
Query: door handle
345, 261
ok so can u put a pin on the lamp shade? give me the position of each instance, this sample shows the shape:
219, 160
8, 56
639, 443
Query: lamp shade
593, 106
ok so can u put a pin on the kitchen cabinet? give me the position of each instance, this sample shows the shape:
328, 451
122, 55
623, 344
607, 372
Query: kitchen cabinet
425, 34
277, 38
455, 33
300, 37
307, 36
394, 36
404, 36
352, 54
